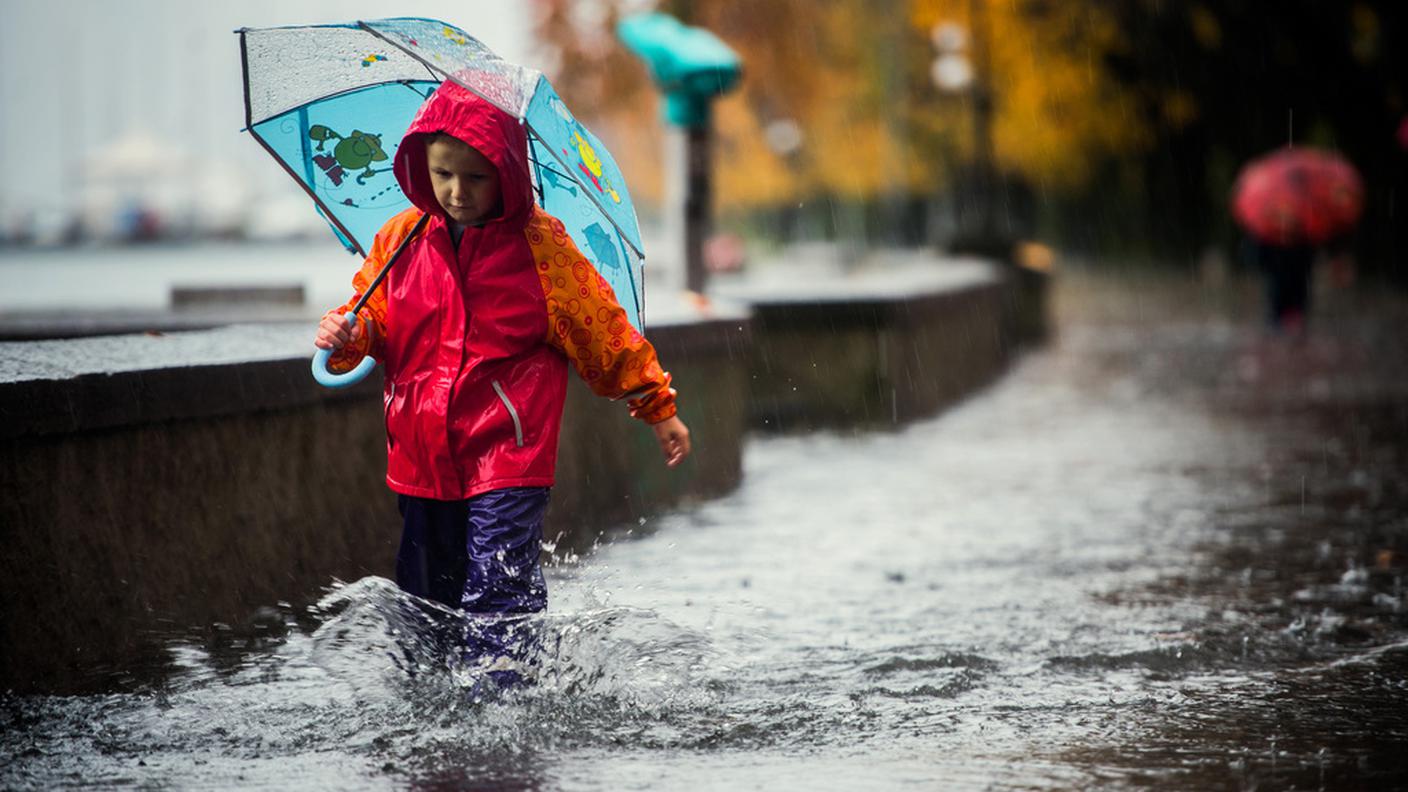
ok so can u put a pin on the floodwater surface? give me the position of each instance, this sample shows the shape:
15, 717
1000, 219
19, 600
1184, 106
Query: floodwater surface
1163, 552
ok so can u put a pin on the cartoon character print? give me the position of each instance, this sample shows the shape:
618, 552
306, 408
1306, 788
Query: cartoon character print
588, 162
355, 152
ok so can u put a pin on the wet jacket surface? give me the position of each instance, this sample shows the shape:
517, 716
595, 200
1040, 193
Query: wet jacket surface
475, 340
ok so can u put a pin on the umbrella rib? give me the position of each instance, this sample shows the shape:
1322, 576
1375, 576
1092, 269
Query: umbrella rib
443, 75
244, 70
599, 206
533, 158
637, 295
308, 188
517, 112
551, 169
333, 95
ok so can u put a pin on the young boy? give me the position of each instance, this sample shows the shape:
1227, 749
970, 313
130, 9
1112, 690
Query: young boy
475, 325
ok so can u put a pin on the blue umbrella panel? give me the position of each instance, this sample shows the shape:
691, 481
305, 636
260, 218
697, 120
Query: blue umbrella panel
341, 149
579, 184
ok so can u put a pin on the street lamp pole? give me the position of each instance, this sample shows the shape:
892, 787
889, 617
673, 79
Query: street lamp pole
692, 68
983, 169
698, 203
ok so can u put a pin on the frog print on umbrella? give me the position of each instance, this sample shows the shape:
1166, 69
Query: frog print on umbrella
355, 152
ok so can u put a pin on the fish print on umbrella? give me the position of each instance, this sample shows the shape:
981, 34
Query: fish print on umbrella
555, 179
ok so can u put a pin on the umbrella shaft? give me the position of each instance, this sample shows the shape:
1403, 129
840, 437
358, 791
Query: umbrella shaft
381, 276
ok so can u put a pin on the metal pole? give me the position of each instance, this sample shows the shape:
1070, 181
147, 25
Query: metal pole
698, 201
984, 175
381, 276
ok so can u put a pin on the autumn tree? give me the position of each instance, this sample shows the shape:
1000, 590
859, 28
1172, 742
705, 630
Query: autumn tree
852, 77
1126, 118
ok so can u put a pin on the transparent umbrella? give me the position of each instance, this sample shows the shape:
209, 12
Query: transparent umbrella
332, 102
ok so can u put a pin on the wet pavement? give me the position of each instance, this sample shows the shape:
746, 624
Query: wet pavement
1166, 551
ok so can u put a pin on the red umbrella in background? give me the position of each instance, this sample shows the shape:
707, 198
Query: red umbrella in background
1298, 196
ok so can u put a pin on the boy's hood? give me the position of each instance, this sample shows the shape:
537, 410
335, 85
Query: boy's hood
497, 135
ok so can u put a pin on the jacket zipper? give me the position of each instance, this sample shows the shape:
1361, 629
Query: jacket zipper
388, 400
512, 413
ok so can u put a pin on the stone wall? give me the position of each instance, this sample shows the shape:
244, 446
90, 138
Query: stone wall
874, 362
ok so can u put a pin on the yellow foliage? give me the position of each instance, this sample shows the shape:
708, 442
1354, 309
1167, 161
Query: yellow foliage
1206, 29
854, 76
1055, 109
750, 173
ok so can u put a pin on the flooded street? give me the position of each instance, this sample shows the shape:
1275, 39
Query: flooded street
1165, 551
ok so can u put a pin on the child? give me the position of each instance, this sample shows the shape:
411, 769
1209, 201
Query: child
475, 324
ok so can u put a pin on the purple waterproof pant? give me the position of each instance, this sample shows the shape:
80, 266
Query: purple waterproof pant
478, 555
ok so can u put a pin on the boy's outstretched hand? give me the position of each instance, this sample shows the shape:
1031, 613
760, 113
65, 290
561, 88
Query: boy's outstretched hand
333, 333
674, 439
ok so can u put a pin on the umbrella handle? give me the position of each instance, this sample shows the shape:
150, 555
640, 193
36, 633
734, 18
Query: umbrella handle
327, 378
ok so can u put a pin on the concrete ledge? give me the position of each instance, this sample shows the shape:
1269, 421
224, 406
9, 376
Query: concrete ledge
194, 296
118, 538
873, 346
92, 402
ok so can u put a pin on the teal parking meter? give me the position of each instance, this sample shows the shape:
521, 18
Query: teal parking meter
690, 65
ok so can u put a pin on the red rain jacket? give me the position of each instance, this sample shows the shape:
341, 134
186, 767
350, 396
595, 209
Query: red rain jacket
475, 341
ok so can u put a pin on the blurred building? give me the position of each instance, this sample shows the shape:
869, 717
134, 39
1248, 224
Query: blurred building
141, 187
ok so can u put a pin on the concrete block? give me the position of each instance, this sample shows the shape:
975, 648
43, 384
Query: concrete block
197, 296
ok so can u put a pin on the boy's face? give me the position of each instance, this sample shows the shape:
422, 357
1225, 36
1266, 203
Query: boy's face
466, 183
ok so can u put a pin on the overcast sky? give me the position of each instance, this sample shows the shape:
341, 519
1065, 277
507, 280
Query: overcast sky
75, 74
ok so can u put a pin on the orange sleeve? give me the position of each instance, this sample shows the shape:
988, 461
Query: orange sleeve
588, 325
374, 312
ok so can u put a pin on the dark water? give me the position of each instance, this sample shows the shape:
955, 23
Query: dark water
1165, 552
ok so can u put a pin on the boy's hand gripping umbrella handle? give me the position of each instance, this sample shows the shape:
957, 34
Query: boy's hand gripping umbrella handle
326, 377
330, 379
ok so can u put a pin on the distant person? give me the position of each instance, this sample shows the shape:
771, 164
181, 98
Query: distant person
1292, 203
1288, 270
475, 326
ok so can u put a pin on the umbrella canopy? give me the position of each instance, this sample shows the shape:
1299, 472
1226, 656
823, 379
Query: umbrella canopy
332, 102
1298, 196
